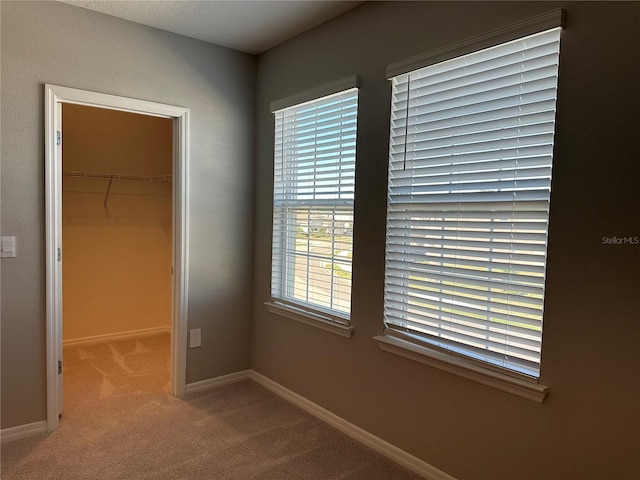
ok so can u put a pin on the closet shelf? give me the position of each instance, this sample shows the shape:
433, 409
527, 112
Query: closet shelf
102, 183
111, 176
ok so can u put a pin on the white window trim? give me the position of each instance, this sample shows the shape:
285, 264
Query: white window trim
315, 93
462, 368
526, 388
309, 318
300, 312
544, 21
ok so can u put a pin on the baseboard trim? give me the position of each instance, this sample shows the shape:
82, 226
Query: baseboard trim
218, 381
22, 431
375, 443
383, 447
110, 337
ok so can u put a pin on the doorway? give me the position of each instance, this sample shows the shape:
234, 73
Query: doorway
56, 99
116, 267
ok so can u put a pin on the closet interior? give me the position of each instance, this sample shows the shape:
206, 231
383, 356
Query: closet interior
116, 224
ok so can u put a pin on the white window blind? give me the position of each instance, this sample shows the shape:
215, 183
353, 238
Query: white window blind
471, 149
314, 183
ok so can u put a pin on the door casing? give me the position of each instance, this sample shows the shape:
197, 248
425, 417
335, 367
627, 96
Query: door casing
55, 96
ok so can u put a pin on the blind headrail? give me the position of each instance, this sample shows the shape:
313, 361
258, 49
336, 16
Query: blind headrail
544, 21
338, 86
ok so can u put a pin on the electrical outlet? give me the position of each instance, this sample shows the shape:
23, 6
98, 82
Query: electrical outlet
195, 338
8, 246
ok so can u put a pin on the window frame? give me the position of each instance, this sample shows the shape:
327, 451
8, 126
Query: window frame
324, 318
428, 354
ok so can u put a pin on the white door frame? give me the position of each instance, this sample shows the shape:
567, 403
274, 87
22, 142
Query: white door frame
55, 96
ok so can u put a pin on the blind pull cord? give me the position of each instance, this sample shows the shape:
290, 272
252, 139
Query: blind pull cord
406, 125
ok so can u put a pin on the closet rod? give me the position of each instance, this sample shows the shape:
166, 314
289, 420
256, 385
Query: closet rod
111, 176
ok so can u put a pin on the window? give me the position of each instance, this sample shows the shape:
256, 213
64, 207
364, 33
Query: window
314, 183
470, 159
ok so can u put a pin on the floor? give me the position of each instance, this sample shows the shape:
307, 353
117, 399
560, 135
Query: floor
118, 368
120, 423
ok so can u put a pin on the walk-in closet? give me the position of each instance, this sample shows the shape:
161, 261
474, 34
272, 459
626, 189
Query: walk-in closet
117, 249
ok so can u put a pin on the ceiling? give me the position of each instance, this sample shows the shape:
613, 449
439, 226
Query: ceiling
248, 26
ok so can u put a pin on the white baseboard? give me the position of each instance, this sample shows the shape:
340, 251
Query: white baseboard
110, 337
218, 381
22, 431
385, 448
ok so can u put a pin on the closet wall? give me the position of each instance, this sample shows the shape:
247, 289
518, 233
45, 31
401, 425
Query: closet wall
116, 239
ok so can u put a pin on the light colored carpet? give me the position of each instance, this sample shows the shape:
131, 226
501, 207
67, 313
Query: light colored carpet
120, 423
119, 368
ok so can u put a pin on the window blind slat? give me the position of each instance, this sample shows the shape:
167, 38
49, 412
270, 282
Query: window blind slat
537, 92
496, 168
489, 345
405, 166
528, 339
429, 252
399, 287
484, 311
507, 222
478, 354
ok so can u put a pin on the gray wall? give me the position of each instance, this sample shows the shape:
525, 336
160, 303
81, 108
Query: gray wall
50, 42
588, 428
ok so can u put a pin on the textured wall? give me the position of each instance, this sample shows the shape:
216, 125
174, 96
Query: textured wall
99, 140
589, 426
50, 42
117, 262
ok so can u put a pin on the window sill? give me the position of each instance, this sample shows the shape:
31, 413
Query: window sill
426, 356
309, 318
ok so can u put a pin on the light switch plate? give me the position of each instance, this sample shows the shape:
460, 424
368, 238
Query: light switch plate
195, 338
8, 246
